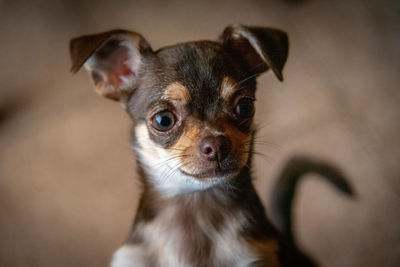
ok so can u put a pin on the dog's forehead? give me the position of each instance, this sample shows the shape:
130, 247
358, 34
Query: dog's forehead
196, 73
193, 62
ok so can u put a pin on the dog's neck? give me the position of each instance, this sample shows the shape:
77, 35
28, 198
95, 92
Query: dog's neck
232, 194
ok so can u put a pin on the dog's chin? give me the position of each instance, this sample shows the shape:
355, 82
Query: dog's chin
215, 174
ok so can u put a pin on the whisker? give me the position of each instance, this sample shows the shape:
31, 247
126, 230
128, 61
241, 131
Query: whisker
168, 160
251, 76
263, 156
248, 78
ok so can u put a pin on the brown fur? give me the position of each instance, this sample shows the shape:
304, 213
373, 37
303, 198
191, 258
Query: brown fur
183, 147
268, 248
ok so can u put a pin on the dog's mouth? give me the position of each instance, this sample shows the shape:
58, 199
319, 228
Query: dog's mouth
212, 174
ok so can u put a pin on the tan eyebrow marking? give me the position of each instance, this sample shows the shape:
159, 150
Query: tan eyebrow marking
178, 92
228, 86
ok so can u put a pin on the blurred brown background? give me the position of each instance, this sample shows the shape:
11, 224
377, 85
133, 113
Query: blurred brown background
68, 190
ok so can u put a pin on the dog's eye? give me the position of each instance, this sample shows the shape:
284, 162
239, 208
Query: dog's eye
163, 121
245, 108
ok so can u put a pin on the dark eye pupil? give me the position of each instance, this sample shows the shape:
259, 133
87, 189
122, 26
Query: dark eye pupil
245, 107
163, 121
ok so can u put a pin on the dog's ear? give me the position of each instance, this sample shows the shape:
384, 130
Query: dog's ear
114, 59
258, 47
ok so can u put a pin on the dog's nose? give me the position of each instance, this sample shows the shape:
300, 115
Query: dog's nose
215, 147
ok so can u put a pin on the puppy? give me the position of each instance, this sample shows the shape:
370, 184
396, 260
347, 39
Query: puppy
192, 107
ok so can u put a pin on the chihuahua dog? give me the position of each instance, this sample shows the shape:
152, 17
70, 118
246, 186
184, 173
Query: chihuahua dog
192, 107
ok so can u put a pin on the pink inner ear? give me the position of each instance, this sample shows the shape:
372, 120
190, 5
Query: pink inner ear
117, 67
114, 78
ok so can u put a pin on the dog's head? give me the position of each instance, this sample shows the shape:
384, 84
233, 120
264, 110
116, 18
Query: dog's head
192, 104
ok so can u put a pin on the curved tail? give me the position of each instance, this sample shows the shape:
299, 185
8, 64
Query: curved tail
285, 188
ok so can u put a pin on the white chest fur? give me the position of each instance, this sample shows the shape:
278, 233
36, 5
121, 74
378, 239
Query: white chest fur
164, 243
